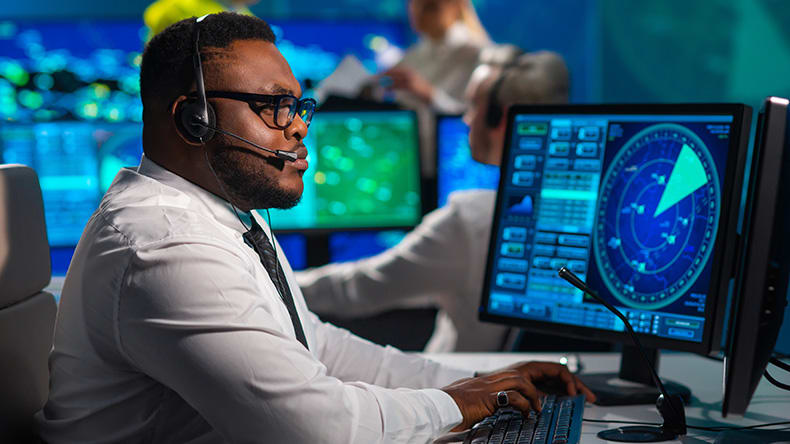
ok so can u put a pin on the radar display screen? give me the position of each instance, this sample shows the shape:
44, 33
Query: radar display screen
630, 203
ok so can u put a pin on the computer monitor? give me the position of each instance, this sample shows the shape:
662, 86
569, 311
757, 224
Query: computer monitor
364, 173
455, 168
70, 106
761, 284
641, 201
69, 101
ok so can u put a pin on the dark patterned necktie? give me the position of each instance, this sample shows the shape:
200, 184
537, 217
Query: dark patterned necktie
257, 239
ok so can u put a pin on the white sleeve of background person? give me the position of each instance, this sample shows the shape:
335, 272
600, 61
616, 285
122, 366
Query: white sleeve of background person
424, 265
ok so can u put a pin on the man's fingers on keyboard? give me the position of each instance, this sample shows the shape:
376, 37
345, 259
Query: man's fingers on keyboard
517, 400
528, 390
588, 394
569, 380
515, 380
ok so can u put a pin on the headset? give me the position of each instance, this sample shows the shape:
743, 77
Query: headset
197, 119
494, 109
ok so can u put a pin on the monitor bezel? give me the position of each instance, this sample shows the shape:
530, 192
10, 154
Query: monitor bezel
350, 106
722, 269
761, 285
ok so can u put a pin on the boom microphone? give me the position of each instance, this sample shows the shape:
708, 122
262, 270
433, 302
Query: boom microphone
669, 406
284, 155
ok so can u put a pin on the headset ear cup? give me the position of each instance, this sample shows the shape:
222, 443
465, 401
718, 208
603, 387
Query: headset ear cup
193, 132
493, 114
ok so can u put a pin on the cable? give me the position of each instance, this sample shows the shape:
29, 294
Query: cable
783, 365
227, 196
773, 381
710, 429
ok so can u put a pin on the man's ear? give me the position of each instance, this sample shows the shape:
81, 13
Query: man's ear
177, 118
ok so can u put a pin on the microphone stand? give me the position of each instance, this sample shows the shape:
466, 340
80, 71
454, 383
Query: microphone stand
669, 406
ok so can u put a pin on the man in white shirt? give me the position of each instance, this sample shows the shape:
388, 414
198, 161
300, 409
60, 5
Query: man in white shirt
442, 261
176, 323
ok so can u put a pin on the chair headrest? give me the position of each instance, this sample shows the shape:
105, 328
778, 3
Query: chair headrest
25, 268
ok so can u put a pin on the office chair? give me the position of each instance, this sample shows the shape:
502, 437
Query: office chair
27, 314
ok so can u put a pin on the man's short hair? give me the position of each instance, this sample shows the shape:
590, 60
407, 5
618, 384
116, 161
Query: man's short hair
167, 72
535, 77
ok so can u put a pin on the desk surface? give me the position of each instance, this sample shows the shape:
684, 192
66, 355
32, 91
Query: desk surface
704, 377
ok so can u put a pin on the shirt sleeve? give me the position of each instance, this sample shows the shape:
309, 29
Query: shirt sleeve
445, 103
351, 358
192, 317
418, 271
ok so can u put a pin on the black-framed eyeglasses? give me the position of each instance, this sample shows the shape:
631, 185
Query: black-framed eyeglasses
275, 109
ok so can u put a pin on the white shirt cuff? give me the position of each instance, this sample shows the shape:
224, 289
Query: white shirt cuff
446, 375
449, 413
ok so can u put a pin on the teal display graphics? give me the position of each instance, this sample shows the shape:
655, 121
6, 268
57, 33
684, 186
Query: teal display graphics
658, 215
630, 203
364, 173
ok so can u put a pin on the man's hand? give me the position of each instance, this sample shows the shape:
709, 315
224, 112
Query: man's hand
552, 374
476, 397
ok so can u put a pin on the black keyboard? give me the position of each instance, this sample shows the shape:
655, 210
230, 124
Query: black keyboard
560, 422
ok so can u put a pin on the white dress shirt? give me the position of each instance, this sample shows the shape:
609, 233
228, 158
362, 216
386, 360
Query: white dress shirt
441, 262
170, 330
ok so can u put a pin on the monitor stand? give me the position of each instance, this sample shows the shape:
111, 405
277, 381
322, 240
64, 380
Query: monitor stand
317, 249
633, 384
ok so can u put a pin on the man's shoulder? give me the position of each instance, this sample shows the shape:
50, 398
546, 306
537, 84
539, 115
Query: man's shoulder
473, 207
143, 210
476, 197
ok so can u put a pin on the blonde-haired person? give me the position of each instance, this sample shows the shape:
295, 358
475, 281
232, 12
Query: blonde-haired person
163, 13
437, 68
442, 261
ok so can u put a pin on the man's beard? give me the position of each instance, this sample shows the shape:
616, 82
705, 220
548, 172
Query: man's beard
247, 184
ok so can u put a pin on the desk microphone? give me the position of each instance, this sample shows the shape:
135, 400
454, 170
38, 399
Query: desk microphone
669, 406
284, 155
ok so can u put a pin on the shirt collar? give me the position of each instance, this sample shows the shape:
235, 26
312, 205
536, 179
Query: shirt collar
219, 208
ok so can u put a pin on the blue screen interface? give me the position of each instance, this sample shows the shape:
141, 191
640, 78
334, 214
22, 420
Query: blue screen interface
70, 102
630, 203
456, 170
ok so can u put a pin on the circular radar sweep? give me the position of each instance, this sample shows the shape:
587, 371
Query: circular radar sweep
658, 216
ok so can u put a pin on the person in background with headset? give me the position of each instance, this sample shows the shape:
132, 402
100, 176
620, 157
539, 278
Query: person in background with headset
442, 261
179, 321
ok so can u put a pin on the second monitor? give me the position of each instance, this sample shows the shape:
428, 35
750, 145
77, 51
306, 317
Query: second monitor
364, 173
641, 201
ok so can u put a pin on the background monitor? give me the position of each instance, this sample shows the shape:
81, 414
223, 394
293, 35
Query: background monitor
69, 101
364, 173
345, 246
456, 170
639, 200
70, 105
762, 281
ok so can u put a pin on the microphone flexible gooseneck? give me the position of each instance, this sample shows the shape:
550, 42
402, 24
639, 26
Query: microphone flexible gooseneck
669, 406
284, 155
